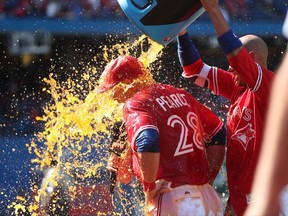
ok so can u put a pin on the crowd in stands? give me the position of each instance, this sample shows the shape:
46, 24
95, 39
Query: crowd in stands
252, 9
91, 9
65, 9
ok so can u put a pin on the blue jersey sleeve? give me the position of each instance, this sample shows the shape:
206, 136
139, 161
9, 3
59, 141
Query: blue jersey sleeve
148, 141
187, 52
229, 42
219, 138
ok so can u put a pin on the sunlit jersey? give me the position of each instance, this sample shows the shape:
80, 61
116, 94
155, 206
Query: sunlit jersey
183, 124
245, 121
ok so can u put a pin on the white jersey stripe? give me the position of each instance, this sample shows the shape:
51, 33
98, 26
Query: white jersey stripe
202, 76
215, 80
217, 129
259, 79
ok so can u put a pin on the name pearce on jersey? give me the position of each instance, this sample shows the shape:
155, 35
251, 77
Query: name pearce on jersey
172, 101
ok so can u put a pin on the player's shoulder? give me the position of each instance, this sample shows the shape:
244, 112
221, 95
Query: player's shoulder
170, 89
269, 73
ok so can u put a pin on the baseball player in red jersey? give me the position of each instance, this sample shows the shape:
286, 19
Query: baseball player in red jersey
271, 176
246, 84
271, 179
167, 130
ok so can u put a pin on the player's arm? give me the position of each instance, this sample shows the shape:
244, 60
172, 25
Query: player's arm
188, 55
125, 171
271, 175
219, 81
214, 138
194, 68
120, 164
148, 150
215, 150
230, 44
239, 58
120, 158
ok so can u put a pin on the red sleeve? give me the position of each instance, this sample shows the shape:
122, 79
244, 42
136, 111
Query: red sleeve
257, 78
192, 69
217, 80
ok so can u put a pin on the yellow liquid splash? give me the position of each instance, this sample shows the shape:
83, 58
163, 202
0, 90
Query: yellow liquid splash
76, 139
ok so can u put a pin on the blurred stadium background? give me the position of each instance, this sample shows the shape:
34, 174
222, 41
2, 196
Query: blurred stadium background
36, 34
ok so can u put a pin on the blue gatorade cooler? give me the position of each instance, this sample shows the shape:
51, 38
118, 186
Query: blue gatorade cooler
162, 20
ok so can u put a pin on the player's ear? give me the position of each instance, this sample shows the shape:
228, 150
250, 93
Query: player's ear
252, 54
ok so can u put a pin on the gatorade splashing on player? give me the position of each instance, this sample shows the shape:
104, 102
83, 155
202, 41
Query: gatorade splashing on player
77, 137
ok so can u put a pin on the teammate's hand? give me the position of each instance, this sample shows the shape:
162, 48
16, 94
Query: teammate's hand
182, 32
113, 163
116, 157
161, 187
210, 5
120, 162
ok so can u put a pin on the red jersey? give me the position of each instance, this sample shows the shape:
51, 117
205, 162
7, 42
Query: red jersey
245, 120
183, 124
